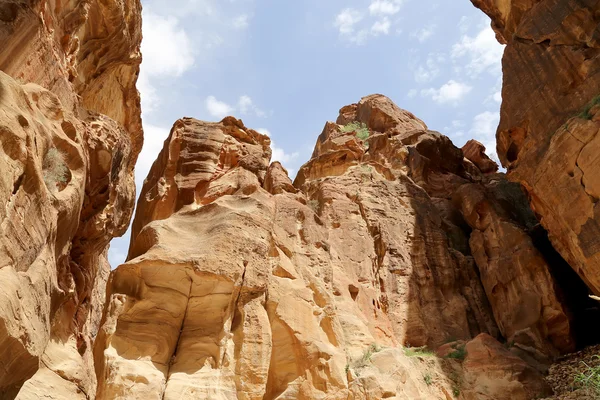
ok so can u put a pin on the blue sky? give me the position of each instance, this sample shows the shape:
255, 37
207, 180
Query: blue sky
286, 67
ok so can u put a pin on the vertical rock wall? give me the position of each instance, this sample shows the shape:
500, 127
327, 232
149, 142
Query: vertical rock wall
70, 132
548, 134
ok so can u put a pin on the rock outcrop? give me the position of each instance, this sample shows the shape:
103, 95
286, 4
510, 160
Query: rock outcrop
548, 134
70, 132
240, 284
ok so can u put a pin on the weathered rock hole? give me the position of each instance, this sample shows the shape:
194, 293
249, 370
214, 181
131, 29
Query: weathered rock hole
571, 174
17, 184
512, 153
353, 291
8, 12
69, 130
23, 121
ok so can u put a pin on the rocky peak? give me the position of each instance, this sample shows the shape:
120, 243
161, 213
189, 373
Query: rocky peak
388, 238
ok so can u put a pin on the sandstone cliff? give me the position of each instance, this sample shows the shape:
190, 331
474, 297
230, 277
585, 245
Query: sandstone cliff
548, 134
70, 132
243, 285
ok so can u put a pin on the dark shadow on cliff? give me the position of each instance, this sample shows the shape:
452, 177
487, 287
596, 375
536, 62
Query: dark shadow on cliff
572, 291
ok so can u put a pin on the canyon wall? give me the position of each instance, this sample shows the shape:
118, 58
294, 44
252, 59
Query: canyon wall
243, 285
396, 265
548, 135
70, 132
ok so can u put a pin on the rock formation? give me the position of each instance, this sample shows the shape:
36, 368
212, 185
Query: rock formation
547, 138
243, 285
396, 265
70, 132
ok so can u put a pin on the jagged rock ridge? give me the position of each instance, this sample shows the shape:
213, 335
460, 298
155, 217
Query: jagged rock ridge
241, 284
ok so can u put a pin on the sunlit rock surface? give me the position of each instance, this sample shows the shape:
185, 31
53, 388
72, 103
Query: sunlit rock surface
70, 132
240, 285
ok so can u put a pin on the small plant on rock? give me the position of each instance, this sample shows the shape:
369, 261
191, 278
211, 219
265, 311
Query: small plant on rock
418, 352
54, 169
360, 129
585, 114
428, 379
459, 353
589, 378
365, 359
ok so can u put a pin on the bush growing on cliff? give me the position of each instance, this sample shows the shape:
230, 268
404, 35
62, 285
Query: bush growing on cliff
418, 352
459, 353
585, 114
360, 129
54, 169
366, 357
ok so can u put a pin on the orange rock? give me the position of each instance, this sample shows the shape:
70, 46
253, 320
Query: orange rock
491, 372
240, 285
547, 138
475, 152
70, 132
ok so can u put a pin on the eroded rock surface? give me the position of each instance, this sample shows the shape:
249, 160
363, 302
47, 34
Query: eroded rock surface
70, 132
242, 285
548, 134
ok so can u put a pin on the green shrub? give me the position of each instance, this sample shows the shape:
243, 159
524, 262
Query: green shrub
418, 352
54, 169
459, 353
428, 379
585, 114
360, 129
365, 359
589, 378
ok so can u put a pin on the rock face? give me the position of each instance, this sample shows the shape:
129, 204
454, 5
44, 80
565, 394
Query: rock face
242, 285
70, 133
548, 134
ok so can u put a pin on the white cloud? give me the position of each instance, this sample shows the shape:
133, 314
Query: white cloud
166, 47
385, 7
483, 52
353, 24
431, 69
279, 154
241, 21
167, 53
346, 20
425, 33
412, 93
246, 106
450, 92
154, 137
464, 24
216, 108
483, 129
497, 97
381, 27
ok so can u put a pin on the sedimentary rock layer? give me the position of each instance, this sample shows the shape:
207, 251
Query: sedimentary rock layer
242, 285
548, 134
70, 132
